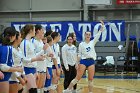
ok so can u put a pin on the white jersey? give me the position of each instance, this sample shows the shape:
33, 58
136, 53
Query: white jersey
56, 50
87, 50
17, 59
17, 56
69, 55
41, 65
28, 50
48, 60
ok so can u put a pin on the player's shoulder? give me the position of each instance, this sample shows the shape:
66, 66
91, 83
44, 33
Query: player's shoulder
82, 43
64, 46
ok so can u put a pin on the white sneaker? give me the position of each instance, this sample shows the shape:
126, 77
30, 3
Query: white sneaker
67, 91
74, 91
138, 76
53, 87
45, 89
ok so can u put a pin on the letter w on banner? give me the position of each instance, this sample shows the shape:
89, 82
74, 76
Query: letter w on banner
113, 30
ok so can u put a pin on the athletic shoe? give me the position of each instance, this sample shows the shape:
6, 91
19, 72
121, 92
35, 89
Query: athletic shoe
67, 91
53, 87
74, 91
138, 75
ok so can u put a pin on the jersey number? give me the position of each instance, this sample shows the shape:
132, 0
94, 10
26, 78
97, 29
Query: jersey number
88, 49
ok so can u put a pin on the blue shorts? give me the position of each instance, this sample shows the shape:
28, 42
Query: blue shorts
48, 82
7, 76
53, 67
29, 70
13, 82
87, 62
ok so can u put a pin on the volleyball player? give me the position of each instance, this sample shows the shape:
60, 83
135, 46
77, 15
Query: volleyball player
16, 77
41, 66
28, 49
56, 67
6, 59
1, 74
49, 64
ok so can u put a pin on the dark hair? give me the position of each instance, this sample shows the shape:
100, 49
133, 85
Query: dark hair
54, 34
48, 33
68, 37
17, 34
38, 27
5, 36
72, 35
26, 29
49, 39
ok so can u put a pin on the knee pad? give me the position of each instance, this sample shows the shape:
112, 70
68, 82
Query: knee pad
74, 81
90, 83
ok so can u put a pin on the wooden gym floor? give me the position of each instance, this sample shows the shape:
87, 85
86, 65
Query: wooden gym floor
109, 85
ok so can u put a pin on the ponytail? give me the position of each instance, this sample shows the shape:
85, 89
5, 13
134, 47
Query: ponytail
26, 29
5, 36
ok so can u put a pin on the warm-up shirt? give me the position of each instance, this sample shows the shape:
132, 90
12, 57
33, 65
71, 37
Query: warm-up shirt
69, 55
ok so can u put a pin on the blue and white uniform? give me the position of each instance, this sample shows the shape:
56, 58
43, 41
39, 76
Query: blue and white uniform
6, 61
87, 51
56, 50
17, 54
18, 59
49, 65
28, 50
41, 66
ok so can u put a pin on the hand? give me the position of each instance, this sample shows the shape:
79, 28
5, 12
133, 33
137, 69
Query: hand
48, 76
67, 69
40, 58
58, 72
61, 70
102, 26
50, 55
76, 66
19, 69
1, 75
22, 81
102, 22
25, 79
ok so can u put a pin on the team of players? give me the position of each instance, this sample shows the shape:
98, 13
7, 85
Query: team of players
30, 60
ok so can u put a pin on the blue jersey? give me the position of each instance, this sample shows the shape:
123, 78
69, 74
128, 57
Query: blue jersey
0, 51
6, 55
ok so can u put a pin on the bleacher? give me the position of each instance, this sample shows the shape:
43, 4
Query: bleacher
104, 49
